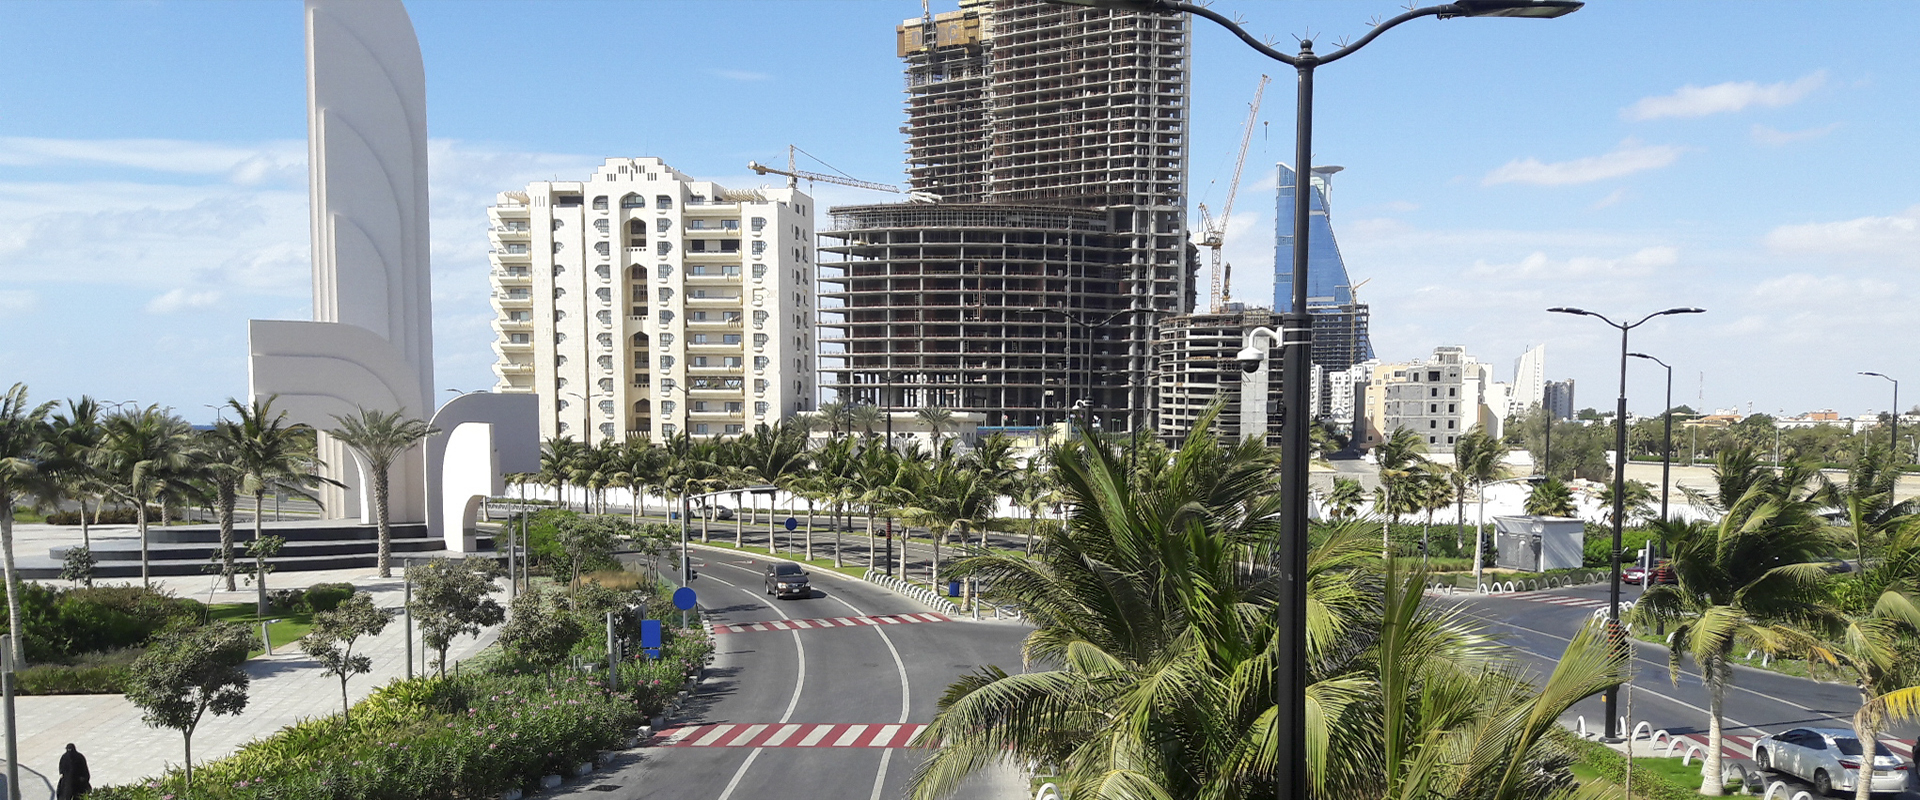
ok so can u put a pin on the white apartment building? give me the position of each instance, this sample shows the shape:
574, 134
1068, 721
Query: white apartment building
1439, 399
644, 301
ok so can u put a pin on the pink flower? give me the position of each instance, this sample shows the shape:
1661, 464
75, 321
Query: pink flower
494, 745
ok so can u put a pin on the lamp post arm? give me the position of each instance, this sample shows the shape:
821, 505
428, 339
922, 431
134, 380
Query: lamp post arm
1430, 11
1230, 25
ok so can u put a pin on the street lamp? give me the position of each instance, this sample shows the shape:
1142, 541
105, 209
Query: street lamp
1086, 417
1893, 442
1290, 678
1666, 449
1612, 695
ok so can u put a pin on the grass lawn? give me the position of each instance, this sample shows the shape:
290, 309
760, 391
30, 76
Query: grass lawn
1798, 669
289, 628
1672, 771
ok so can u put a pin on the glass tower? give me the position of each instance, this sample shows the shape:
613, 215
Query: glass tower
1340, 338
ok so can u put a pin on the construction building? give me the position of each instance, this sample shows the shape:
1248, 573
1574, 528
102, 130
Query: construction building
1198, 363
1055, 138
645, 302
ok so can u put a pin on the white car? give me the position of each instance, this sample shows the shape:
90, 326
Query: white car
1829, 758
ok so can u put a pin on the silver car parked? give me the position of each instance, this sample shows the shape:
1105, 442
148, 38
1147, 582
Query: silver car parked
1829, 758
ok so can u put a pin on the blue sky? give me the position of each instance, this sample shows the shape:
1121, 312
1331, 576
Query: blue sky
1752, 158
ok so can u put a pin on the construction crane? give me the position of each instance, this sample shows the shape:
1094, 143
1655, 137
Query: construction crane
794, 175
1213, 233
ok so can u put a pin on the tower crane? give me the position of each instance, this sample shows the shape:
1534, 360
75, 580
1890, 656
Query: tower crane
794, 175
1213, 233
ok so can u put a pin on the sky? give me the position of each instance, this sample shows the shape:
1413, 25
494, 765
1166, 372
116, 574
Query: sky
1755, 159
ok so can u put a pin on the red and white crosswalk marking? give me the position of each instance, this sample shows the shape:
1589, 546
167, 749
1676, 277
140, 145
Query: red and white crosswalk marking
1555, 599
830, 622
789, 735
1741, 745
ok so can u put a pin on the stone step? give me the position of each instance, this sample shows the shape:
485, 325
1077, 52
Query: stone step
124, 550
44, 569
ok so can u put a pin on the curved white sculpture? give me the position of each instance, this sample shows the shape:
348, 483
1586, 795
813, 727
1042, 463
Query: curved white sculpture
477, 437
367, 151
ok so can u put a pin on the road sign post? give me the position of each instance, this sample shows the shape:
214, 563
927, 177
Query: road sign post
7, 666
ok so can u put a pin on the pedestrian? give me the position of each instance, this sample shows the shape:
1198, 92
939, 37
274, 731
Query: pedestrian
75, 781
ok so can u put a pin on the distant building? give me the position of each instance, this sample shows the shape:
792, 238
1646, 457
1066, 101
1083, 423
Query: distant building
1340, 321
1530, 378
1558, 398
1438, 399
1198, 359
645, 302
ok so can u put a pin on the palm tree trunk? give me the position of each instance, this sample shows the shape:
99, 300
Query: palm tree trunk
739, 524
1386, 525
13, 583
837, 529
1869, 737
873, 547
139, 516
385, 558
809, 529
1460, 522
1715, 673
86, 535
225, 512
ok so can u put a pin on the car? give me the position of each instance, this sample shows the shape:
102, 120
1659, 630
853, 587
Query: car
787, 579
717, 512
1830, 759
1662, 572
1635, 574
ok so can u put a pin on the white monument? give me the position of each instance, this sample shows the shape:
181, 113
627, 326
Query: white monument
370, 344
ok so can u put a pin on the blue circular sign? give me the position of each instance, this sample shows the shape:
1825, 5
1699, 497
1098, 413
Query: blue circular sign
792, 523
683, 598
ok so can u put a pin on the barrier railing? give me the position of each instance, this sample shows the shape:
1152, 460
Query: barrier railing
916, 591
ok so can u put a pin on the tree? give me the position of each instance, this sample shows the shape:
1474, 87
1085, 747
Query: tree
1550, 498
937, 420
218, 455
1750, 577
1867, 498
1396, 458
451, 598
260, 550
1344, 501
188, 672
380, 437
141, 453
22, 434
72, 437
540, 629
1639, 499
1477, 459
589, 540
271, 456
333, 636
1868, 650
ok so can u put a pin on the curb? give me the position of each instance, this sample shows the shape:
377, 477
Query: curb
921, 593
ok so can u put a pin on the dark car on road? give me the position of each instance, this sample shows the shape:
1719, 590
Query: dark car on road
787, 579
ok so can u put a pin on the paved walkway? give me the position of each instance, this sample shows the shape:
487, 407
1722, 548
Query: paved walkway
286, 688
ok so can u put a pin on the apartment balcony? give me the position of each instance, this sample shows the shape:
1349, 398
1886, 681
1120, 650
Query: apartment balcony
500, 254
513, 368
697, 233
711, 256
513, 347
505, 300
711, 300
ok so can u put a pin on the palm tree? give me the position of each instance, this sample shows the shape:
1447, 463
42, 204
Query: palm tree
1638, 502
866, 417
1870, 651
1395, 459
875, 487
1867, 498
73, 436
1550, 498
1749, 577
219, 452
937, 420
838, 416
557, 458
1344, 501
141, 452
1477, 459
774, 456
271, 456
380, 437
22, 448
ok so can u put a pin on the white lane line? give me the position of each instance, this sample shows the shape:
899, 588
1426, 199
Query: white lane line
886, 756
1724, 719
780, 737
814, 736
850, 734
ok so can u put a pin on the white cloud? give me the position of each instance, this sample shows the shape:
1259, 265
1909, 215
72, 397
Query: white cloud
1537, 265
1721, 98
1629, 157
1613, 197
1894, 238
179, 300
18, 301
1776, 138
248, 165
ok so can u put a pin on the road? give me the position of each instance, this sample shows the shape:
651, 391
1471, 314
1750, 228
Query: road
1539, 624
796, 681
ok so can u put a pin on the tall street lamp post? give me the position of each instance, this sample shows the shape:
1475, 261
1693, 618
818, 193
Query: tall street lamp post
1666, 448
1290, 678
1611, 698
1086, 385
1893, 442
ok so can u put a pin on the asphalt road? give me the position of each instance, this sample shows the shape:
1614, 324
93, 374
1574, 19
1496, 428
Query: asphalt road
1757, 702
868, 674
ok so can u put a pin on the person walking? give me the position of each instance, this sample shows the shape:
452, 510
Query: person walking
75, 781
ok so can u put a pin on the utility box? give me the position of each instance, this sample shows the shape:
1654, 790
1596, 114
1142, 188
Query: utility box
1538, 544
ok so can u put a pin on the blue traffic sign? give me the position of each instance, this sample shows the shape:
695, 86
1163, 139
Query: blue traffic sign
650, 634
792, 523
683, 598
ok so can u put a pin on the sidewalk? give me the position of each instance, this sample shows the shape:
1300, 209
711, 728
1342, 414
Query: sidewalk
286, 688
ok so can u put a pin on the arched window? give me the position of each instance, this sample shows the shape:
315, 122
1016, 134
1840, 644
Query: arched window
600, 225
663, 201
606, 428
637, 273
604, 271
602, 248
633, 201
666, 294
600, 203
605, 294
605, 339
558, 270
606, 385
606, 407
605, 317
642, 407
640, 340
666, 317
636, 227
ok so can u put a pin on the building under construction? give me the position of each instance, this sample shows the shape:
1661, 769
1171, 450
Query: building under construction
1198, 363
1056, 139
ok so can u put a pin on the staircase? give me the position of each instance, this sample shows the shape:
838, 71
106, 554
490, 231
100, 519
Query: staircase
191, 549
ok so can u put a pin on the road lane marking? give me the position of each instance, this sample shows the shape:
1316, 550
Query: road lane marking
797, 734
830, 622
799, 683
713, 735
780, 737
746, 736
850, 735
813, 737
885, 736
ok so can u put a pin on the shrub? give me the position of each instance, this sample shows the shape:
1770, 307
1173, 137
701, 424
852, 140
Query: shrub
63, 623
93, 673
111, 516
327, 596
287, 601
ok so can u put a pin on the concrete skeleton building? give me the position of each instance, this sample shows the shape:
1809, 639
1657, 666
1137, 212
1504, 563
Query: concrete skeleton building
1198, 362
1056, 139
643, 301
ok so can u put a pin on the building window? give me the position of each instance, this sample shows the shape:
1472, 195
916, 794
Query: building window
605, 362
559, 270
606, 386
699, 338
556, 247
520, 316
602, 248
760, 408
600, 225
697, 200
605, 294
699, 406
606, 429
666, 270
700, 429
729, 246
730, 316
1450, 391
1450, 407
699, 361
759, 223
759, 318
663, 201
731, 338
1433, 408
733, 361
666, 406
637, 273
666, 428
1433, 375
759, 248
666, 362
697, 316
519, 338
735, 406
759, 362
1433, 423
1450, 426
633, 201
760, 384
606, 407
663, 248
605, 316
666, 293
1433, 392
605, 272
730, 224
1449, 440
516, 248
759, 340
731, 271
600, 203
605, 339
736, 430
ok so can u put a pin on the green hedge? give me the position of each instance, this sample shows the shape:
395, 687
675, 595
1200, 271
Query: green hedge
61, 624
111, 516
